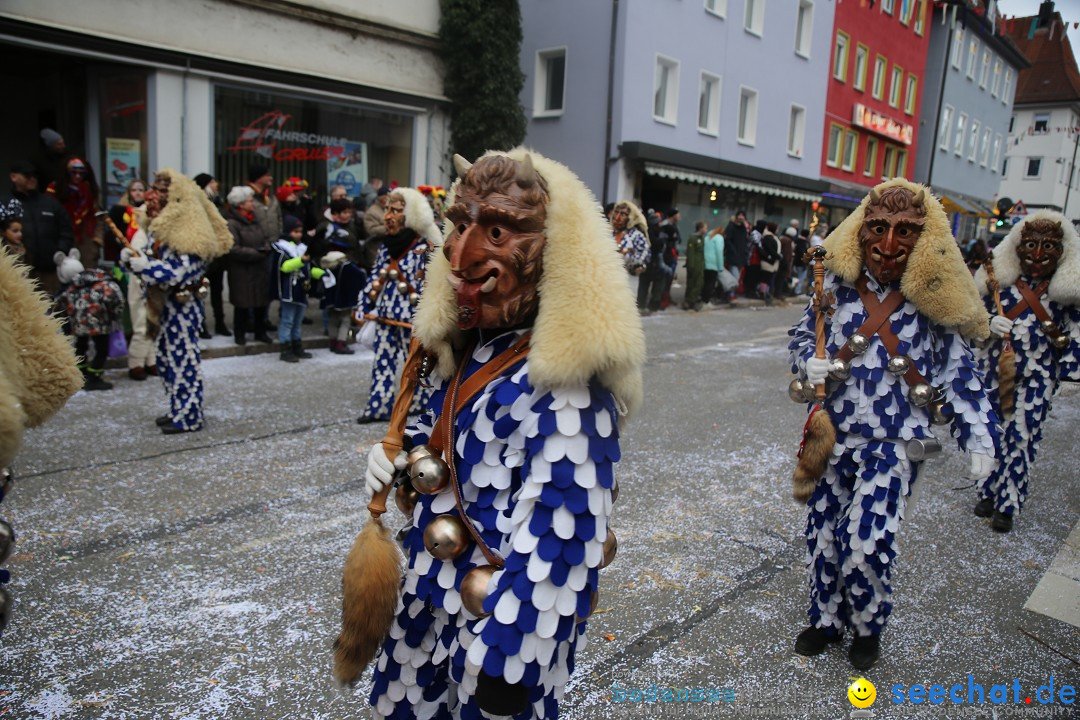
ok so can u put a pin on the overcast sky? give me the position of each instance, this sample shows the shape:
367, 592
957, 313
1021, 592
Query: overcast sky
1069, 9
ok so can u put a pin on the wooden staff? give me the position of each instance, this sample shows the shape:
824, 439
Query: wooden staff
104, 216
1007, 361
372, 578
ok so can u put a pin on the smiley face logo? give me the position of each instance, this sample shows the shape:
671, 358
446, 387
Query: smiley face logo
862, 693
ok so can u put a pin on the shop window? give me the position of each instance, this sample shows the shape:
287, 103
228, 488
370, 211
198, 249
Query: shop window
549, 93
666, 90
123, 118
709, 104
322, 142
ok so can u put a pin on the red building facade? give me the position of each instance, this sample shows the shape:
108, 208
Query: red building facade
875, 92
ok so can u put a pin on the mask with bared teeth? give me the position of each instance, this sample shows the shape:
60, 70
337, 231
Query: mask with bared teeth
893, 220
1042, 243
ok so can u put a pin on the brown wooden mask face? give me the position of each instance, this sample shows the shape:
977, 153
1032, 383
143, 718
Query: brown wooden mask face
892, 223
157, 195
394, 216
1040, 248
619, 217
496, 247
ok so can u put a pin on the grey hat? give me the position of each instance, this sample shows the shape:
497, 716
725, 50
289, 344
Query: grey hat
50, 137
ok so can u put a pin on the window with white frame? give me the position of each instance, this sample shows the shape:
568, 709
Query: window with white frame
1005, 167
1006, 89
709, 104
887, 6
946, 127
958, 48
997, 153
958, 138
716, 7
973, 55
920, 12
862, 55
984, 77
996, 86
796, 130
1012, 121
895, 86
1033, 168
836, 139
851, 147
871, 157
911, 94
666, 90
984, 147
901, 163
549, 93
804, 27
973, 140
839, 70
1042, 124
878, 90
905, 11
748, 102
754, 17
888, 165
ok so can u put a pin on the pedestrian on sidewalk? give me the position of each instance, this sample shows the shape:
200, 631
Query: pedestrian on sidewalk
93, 306
768, 261
215, 273
714, 264
293, 276
695, 267
249, 286
736, 249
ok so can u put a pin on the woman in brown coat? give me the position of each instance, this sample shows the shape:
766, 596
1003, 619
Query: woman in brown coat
249, 278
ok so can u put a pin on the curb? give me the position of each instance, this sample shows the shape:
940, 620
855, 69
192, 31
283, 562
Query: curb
253, 347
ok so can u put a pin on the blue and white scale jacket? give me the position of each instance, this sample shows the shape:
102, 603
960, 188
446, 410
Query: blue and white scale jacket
634, 247
390, 303
536, 471
873, 402
1039, 367
174, 271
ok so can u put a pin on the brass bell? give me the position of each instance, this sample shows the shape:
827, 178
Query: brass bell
183, 296
938, 416
418, 451
406, 497
920, 394
414, 299
403, 287
204, 289
840, 369
429, 475
796, 390
5, 608
1048, 326
373, 294
858, 343
1060, 342
474, 589
615, 492
393, 274
899, 364
446, 537
382, 273
611, 547
7, 540
593, 602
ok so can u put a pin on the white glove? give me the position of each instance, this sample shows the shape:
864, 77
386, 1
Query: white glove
981, 466
1000, 325
138, 263
817, 370
380, 471
125, 256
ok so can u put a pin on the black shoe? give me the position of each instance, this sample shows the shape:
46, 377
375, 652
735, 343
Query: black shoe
264, 338
171, 429
985, 507
93, 381
204, 334
240, 340
1001, 522
163, 421
865, 651
269, 327
307, 321
813, 640
299, 351
365, 419
220, 328
137, 373
287, 356
152, 370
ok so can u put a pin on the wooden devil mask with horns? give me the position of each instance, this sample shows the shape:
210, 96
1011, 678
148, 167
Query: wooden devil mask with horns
496, 246
892, 223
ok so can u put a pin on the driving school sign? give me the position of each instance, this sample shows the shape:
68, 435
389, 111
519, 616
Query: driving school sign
265, 134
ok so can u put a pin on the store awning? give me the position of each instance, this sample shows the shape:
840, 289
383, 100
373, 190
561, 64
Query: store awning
957, 203
702, 178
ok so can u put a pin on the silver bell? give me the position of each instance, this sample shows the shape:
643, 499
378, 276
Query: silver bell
1060, 341
7, 540
1048, 325
840, 369
403, 287
392, 274
414, 299
382, 272
858, 343
938, 416
921, 394
899, 365
401, 534
429, 475
796, 390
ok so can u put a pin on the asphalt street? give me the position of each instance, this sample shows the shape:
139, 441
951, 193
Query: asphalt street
198, 576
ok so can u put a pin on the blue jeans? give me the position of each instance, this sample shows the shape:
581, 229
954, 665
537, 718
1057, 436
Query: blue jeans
292, 315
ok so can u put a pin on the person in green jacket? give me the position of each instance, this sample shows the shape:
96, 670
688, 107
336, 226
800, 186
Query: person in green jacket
695, 267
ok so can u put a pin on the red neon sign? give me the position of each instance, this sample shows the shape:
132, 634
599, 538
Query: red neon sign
882, 124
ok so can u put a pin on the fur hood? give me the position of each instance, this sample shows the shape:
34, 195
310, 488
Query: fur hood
38, 370
936, 278
636, 219
419, 216
190, 223
587, 324
1064, 285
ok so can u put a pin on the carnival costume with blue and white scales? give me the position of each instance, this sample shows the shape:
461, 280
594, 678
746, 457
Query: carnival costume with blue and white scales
633, 242
391, 308
1040, 367
855, 510
534, 453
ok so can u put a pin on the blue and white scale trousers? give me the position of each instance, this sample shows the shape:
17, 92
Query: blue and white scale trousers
391, 349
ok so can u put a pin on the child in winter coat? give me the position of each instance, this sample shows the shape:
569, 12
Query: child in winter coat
292, 280
341, 300
94, 307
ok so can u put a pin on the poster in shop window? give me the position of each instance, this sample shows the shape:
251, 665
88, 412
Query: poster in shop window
349, 168
122, 159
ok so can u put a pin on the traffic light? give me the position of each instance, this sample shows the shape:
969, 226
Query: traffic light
1001, 211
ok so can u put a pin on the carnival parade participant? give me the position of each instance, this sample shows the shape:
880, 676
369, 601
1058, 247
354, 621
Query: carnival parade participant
184, 233
1032, 286
93, 306
904, 303
631, 239
392, 292
533, 330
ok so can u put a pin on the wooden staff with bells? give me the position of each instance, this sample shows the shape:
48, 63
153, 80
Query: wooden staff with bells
1007, 361
372, 579
819, 435
104, 217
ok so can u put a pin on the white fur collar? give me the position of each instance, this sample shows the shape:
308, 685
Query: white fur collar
1064, 285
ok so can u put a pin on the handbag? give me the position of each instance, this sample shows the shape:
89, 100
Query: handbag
117, 344
727, 280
